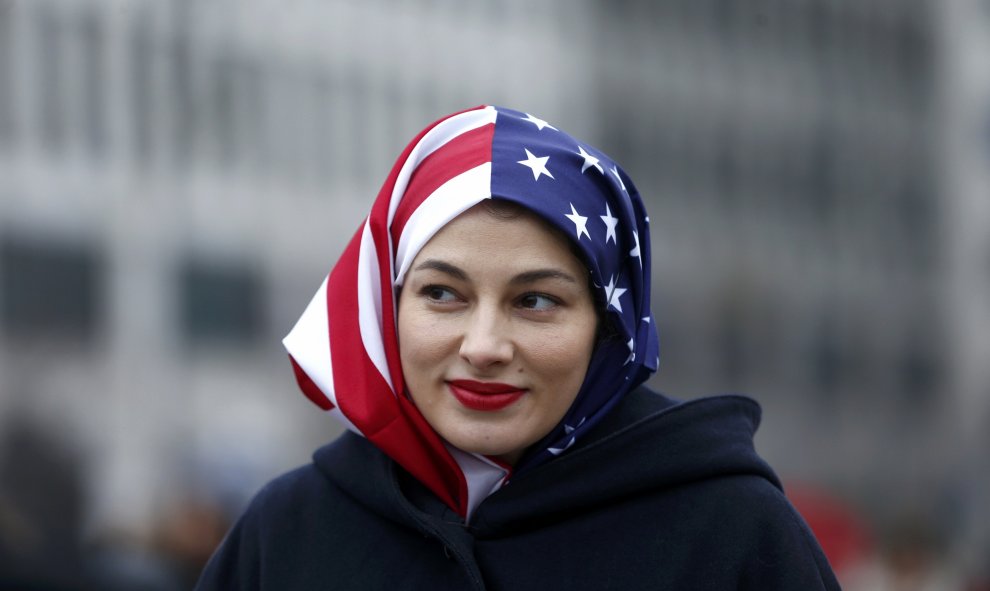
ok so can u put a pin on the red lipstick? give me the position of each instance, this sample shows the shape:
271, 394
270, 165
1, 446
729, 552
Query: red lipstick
485, 396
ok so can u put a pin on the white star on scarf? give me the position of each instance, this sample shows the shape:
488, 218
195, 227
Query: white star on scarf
537, 164
559, 450
539, 123
632, 351
580, 222
610, 223
589, 161
567, 431
615, 171
612, 294
635, 251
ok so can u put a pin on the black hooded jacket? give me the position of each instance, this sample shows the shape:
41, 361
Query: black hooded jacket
661, 495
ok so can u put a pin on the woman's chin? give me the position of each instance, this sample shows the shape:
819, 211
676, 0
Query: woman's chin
499, 448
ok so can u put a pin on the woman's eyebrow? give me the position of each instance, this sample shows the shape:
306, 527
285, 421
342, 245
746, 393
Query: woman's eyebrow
522, 278
443, 267
540, 274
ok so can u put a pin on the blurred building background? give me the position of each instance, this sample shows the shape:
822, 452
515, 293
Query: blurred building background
176, 179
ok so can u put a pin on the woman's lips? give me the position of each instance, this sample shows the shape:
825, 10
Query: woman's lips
486, 396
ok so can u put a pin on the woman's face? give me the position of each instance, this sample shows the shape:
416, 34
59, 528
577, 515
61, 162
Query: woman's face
496, 329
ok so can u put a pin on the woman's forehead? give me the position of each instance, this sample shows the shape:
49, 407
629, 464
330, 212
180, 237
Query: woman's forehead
482, 238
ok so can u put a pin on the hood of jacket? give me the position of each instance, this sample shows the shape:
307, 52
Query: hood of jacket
648, 443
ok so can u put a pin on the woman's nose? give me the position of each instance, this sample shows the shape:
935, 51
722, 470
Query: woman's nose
486, 340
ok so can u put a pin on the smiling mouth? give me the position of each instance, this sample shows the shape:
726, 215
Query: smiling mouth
484, 396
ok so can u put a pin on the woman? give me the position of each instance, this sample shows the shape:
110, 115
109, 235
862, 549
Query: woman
484, 337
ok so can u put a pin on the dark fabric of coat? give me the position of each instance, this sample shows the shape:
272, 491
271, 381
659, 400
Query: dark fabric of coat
661, 495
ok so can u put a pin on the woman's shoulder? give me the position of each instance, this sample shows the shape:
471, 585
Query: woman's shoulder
288, 490
647, 424
647, 403
297, 519
268, 525
649, 445
297, 493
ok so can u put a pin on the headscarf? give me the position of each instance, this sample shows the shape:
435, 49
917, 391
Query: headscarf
344, 348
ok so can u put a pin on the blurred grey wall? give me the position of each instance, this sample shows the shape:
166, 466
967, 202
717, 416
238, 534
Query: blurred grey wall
176, 178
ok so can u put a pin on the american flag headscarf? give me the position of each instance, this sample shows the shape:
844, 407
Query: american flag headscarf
344, 348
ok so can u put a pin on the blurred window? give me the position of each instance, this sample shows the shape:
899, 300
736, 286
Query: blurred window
325, 128
918, 216
49, 289
49, 43
185, 112
825, 356
224, 99
6, 72
362, 113
95, 82
821, 187
920, 372
220, 303
280, 118
725, 166
141, 65
243, 109
255, 92
184, 105
915, 64
733, 342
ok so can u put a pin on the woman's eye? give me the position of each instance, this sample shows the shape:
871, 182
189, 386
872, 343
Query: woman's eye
535, 301
439, 294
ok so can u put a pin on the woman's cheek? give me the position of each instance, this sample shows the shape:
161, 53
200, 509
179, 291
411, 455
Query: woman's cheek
427, 335
560, 351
